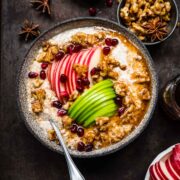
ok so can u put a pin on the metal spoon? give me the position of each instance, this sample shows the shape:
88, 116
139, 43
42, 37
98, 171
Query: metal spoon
73, 170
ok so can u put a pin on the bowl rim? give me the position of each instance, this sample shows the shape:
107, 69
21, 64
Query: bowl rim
157, 42
134, 134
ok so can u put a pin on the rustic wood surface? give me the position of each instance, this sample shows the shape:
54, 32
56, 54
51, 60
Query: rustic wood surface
22, 157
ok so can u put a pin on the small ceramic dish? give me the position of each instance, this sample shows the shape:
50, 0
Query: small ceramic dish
22, 94
163, 155
171, 26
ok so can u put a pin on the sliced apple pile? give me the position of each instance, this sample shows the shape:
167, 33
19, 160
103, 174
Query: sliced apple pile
168, 168
89, 57
95, 102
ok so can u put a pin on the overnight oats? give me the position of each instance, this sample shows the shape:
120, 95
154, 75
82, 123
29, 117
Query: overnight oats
93, 82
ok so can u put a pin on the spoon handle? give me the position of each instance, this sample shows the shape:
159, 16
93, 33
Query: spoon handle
73, 170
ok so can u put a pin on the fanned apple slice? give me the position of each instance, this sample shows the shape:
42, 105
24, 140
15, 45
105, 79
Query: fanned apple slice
57, 77
163, 176
49, 73
53, 70
171, 170
72, 82
164, 169
67, 71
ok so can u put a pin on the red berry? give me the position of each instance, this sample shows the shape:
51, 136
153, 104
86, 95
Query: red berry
43, 74
80, 88
108, 41
77, 48
74, 128
79, 81
85, 81
114, 42
121, 111
62, 112
109, 3
32, 75
92, 11
118, 100
70, 49
80, 131
64, 95
106, 50
63, 78
80, 146
56, 104
89, 147
59, 55
94, 71
44, 65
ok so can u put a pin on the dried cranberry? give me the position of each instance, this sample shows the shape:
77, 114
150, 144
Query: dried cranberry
70, 49
44, 65
79, 81
108, 41
59, 55
64, 95
118, 100
77, 48
94, 71
62, 112
92, 11
63, 78
74, 128
43, 74
80, 88
32, 75
106, 50
80, 146
89, 147
85, 81
80, 131
121, 111
109, 3
114, 42
57, 104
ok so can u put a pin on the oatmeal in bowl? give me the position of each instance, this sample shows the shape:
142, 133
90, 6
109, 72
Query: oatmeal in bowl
95, 82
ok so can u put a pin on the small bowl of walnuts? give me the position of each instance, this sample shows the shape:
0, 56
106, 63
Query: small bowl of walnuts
152, 21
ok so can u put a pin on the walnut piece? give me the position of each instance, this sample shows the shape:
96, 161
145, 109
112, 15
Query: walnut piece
39, 94
81, 70
37, 83
36, 106
51, 135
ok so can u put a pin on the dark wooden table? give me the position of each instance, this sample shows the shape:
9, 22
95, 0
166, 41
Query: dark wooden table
22, 157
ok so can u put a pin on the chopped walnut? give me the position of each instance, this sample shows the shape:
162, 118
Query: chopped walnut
140, 77
81, 70
144, 94
74, 95
51, 135
120, 88
36, 106
66, 120
49, 50
37, 83
101, 120
88, 39
39, 94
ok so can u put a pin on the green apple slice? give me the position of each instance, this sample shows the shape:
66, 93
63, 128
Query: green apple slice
93, 98
93, 111
97, 87
107, 111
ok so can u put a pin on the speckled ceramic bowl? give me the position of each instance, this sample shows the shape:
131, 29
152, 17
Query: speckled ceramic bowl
171, 26
22, 94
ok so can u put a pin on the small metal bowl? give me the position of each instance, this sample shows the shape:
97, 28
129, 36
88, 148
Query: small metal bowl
28, 117
171, 26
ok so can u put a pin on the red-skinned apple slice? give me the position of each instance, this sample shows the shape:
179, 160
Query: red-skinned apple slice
171, 170
163, 167
154, 173
161, 172
158, 171
57, 77
49, 73
67, 71
52, 73
78, 60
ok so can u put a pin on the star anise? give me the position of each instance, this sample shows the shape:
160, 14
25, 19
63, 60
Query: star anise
29, 30
43, 5
156, 29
